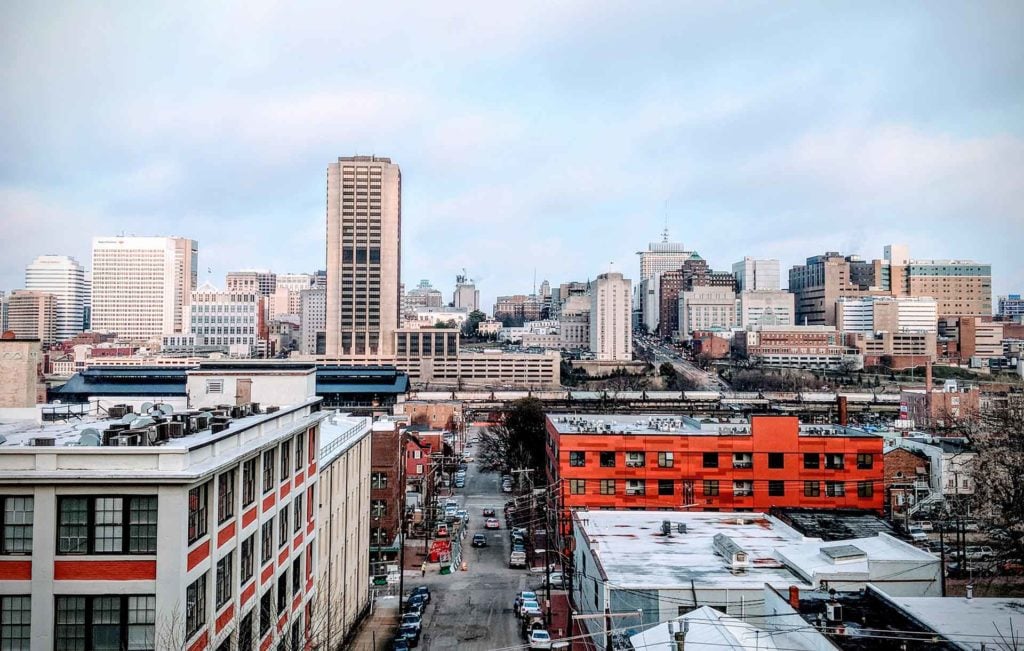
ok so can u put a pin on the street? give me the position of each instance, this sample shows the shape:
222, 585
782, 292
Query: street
473, 609
663, 353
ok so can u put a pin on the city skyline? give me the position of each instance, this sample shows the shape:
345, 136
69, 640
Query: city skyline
784, 142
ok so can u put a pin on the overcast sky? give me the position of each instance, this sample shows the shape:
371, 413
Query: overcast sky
554, 136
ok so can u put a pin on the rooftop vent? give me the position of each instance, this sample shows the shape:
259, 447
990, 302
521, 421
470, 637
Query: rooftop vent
43, 442
843, 553
734, 555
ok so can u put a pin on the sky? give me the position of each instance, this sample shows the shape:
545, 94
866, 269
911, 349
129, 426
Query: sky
554, 138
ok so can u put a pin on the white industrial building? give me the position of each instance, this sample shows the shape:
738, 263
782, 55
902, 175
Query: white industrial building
667, 563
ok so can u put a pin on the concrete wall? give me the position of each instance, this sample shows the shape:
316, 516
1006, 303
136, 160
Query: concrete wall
19, 372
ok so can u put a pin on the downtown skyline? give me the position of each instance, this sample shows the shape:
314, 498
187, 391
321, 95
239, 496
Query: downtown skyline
559, 144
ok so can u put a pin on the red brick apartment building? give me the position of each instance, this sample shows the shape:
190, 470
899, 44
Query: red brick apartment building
644, 462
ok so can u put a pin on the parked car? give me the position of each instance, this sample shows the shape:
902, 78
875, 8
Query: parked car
525, 595
462, 514
519, 547
488, 513
442, 530
415, 619
979, 553
517, 559
411, 634
917, 534
423, 590
540, 639
492, 523
556, 579
530, 607
506, 488
399, 643
414, 601
479, 540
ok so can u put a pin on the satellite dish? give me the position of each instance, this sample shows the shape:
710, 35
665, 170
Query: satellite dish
146, 406
128, 418
89, 436
139, 423
166, 409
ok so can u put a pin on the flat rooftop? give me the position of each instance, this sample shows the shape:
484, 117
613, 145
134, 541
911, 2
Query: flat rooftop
678, 425
967, 622
634, 553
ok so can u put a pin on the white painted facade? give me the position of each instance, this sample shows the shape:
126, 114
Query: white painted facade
706, 307
170, 539
765, 308
217, 384
754, 274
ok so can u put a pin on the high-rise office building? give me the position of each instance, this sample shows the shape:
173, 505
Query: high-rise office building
3, 311
960, 287
141, 284
364, 228
611, 325
63, 277
756, 275
33, 315
824, 279
251, 281
887, 314
313, 311
662, 256
466, 295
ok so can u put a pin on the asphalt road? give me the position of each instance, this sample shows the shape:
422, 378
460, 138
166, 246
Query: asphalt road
472, 610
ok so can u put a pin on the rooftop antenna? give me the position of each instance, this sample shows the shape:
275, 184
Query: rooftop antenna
664, 232
535, 281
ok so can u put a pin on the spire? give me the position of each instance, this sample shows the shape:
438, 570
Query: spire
664, 231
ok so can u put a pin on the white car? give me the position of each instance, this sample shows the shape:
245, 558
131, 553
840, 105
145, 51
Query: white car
530, 607
540, 639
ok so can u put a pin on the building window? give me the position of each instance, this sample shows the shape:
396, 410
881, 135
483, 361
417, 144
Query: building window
812, 460
666, 487
865, 461
635, 487
282, 592
297, 511
282, 529
247, 558
865, 489
710, 460
578, 458
378, 508
812, 488
268, 471
378, 480
198, 506
776, 487
225, 496
249, 482
742, 460
835, 489
286, 459
711, 487
607, 459
15, 622
312, 445
267, 541
665, 460
300, 451
743, 488
195, 606
635, 459
224, 582
296, 576
577, 486
96, 525
834, 461
266, 610
107, 622
607, 486
17, 524
776, 460
245, 633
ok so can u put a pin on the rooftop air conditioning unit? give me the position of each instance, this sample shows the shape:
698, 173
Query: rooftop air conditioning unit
271, 410
125, 440
175, 430
43, 442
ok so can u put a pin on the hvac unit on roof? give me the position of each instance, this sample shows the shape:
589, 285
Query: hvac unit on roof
43, 442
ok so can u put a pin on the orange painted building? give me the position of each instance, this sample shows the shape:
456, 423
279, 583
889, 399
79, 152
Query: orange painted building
608, 461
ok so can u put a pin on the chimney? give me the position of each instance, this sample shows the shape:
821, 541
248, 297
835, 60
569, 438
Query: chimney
844, 414
970, 591
794, 597
928, 388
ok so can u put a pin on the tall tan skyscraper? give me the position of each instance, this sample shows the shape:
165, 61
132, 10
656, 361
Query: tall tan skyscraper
364, 230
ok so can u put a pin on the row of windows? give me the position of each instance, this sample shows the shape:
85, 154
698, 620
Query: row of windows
712, 487
776, 460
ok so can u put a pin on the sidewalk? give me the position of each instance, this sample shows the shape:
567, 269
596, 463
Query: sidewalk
379, 628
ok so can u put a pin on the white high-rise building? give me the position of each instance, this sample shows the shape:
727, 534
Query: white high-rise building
658, 258
140, 285
611, 325
313, 315
706, 307
294, 284
466, 294
63, 277
227, 320
757, 275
